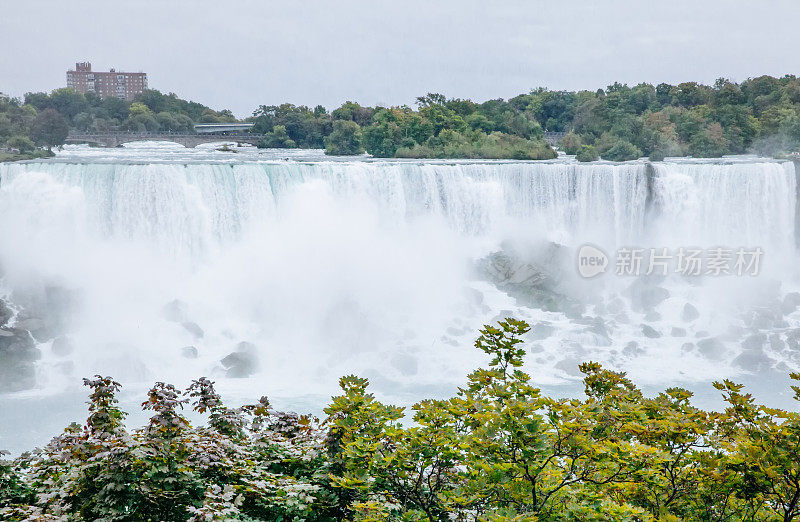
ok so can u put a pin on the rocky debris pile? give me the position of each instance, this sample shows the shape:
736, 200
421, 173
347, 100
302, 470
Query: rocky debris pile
18, 355
243, 362
47, 314
533, 276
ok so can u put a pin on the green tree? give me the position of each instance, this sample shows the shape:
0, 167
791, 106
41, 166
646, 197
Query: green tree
49, 129
345, 140
587, 153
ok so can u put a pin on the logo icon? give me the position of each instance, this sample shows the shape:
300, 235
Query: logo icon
591, 261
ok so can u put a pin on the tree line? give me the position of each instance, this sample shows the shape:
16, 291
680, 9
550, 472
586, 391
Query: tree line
759, 115
41, 121
499, 450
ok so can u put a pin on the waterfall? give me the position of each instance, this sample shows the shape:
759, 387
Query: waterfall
332, 267
194, 208
733, 204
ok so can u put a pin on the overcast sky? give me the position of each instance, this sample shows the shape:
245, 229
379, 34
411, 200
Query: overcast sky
242, 53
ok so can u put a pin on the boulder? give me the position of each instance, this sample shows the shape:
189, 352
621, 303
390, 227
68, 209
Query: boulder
18, 355
569, 366
776, 344
645, 295
678, 332
764, 318
62, 346
241, 363
790, 302
47, 314
632, 349
652, 316
649, 331
190, 352
541, 331
194, 329
690, 313
754, 342
793, 339
531, 275
175, 311
753, 360
6, 313
711, 348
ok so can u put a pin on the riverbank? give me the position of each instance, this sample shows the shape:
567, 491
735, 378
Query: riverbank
7, 157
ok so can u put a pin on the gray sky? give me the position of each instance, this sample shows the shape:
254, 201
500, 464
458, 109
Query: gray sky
243, 53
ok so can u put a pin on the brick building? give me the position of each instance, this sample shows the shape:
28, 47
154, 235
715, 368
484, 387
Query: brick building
109, 84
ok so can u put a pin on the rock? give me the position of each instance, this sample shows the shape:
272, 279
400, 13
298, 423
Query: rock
18, 355
569, 366
644, 296
174, 311
531, 275
46, 315
687, 347
754, 342
652, 316
475, 298
701, 333
616, 306
649, 331
632, 349
241, 363
790, 302
405, 364
194, 329
764, 318
690, 313
502, 315
600, 331
776, 344
6, 313
541, 331
678, 332
793, 339
62, 346
711, 348
190, 352
753, 360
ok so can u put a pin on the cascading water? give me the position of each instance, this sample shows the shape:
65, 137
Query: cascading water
164, 264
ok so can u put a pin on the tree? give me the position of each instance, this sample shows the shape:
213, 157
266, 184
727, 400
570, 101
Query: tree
571, 143
49, 129
587, 153
21, 143
345, 140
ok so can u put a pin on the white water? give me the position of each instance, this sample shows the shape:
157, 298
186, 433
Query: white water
335, 267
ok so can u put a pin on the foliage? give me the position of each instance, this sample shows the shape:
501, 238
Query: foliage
345, 140
587, 153
620, 122
571, 143
49, 128
499, 449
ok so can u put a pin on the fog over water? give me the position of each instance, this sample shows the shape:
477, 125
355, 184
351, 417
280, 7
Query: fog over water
276, 272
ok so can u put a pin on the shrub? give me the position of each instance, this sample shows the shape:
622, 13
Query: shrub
587, 153
22, 143
570, 143
345, 140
